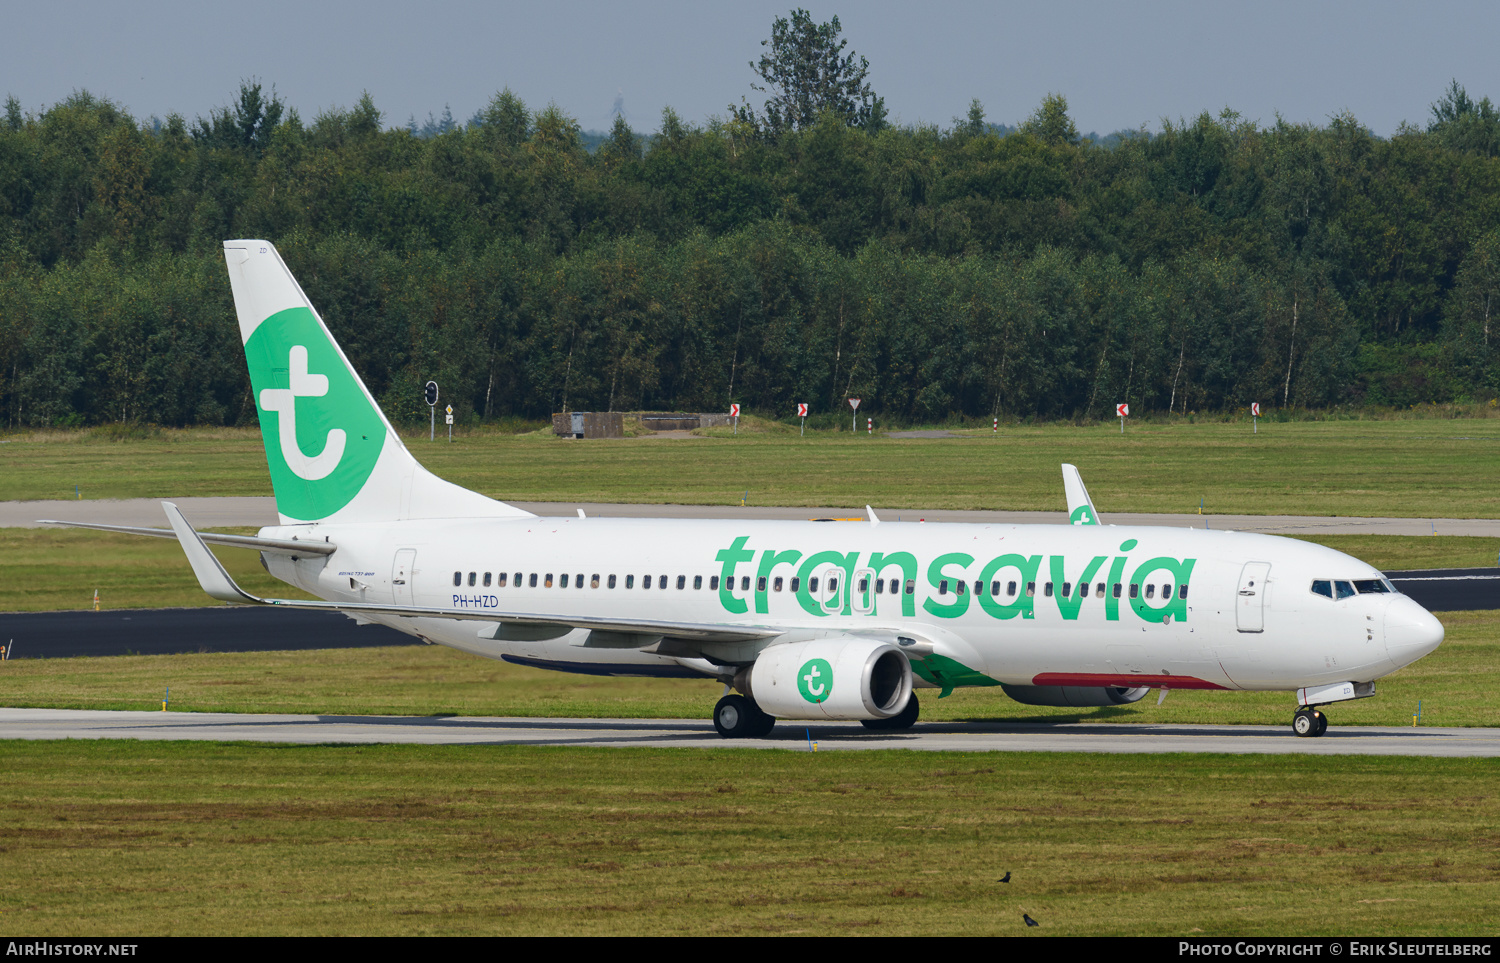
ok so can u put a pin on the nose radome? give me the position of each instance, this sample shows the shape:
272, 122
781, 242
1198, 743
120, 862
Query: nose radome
1410, 631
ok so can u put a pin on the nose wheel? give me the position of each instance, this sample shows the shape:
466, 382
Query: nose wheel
736, 717
1309, 722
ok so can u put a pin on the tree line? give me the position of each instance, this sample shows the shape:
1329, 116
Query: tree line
930, 271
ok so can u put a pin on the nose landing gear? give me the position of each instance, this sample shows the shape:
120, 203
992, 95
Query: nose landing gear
1309, 722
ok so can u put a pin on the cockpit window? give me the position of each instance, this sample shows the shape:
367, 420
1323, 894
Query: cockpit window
1343, 590
1370, 586
1323, 587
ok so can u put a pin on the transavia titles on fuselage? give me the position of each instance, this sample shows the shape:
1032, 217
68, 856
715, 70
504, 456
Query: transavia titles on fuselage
805, 621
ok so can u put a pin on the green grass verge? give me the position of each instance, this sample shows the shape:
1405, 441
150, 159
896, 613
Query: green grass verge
1401, 468
50, 569
432, 680
200, 838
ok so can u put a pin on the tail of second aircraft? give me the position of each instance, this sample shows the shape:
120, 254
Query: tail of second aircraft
333, 455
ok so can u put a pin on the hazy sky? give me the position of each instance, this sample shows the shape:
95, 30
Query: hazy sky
1119, 65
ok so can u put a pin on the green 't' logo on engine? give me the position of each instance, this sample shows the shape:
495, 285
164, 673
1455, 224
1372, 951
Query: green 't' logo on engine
321, 433
815, 680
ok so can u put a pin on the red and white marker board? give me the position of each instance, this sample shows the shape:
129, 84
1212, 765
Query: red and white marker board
802, 411
734, 411
1255, 408
1122, 410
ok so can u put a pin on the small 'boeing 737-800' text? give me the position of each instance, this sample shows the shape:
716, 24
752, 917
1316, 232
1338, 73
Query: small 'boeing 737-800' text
805, 621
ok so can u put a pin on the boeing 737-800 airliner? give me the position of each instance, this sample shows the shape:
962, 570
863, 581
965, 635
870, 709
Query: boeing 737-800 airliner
805, 621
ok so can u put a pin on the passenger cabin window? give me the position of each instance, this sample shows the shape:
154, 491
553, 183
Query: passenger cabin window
518, 580
1031, 590
776, 584
458, 579
486, 579
1150, 590
959, 588
995, 589
911, 586
1067, 589
564, 580
713, 583
500, 580
943, 587
760, 584
796, 582
645, 581
533, 580
578, 581
1047, 590
1117, 590
1182, 591
629, 581
611, 581
594, 580
812, 585
744, 583
548, 582
697, 582
1099, 590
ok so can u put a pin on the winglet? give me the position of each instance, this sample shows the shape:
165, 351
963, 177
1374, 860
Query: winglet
871, 512
211, 575
1080, 506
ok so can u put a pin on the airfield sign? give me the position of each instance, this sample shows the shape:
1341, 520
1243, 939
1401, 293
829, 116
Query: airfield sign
430, 393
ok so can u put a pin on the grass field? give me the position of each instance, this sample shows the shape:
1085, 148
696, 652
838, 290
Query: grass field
195, 838
1411, 468
1454, 685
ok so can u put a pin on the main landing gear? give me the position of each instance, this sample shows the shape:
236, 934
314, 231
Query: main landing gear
904, 719
736, 717
1309, 722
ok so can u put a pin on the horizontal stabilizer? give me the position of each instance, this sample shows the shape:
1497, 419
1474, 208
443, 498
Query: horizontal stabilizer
276, 546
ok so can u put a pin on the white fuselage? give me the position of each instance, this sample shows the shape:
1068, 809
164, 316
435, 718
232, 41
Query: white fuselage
1211, 609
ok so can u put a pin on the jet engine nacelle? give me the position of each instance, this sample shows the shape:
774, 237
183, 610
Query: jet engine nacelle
1075, 696
843, 678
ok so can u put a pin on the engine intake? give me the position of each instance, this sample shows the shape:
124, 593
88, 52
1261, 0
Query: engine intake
830, 679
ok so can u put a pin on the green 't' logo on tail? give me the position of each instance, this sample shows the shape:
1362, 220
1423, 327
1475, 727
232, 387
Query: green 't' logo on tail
321, 433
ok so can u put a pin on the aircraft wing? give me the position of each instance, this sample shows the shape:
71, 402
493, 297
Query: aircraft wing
278, 546
1080, 506
217, 583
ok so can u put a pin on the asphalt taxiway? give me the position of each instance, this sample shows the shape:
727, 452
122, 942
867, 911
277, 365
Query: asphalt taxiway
698, 734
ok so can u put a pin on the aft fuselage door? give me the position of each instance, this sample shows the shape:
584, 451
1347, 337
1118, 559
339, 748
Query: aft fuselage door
1249, 613
401, 572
